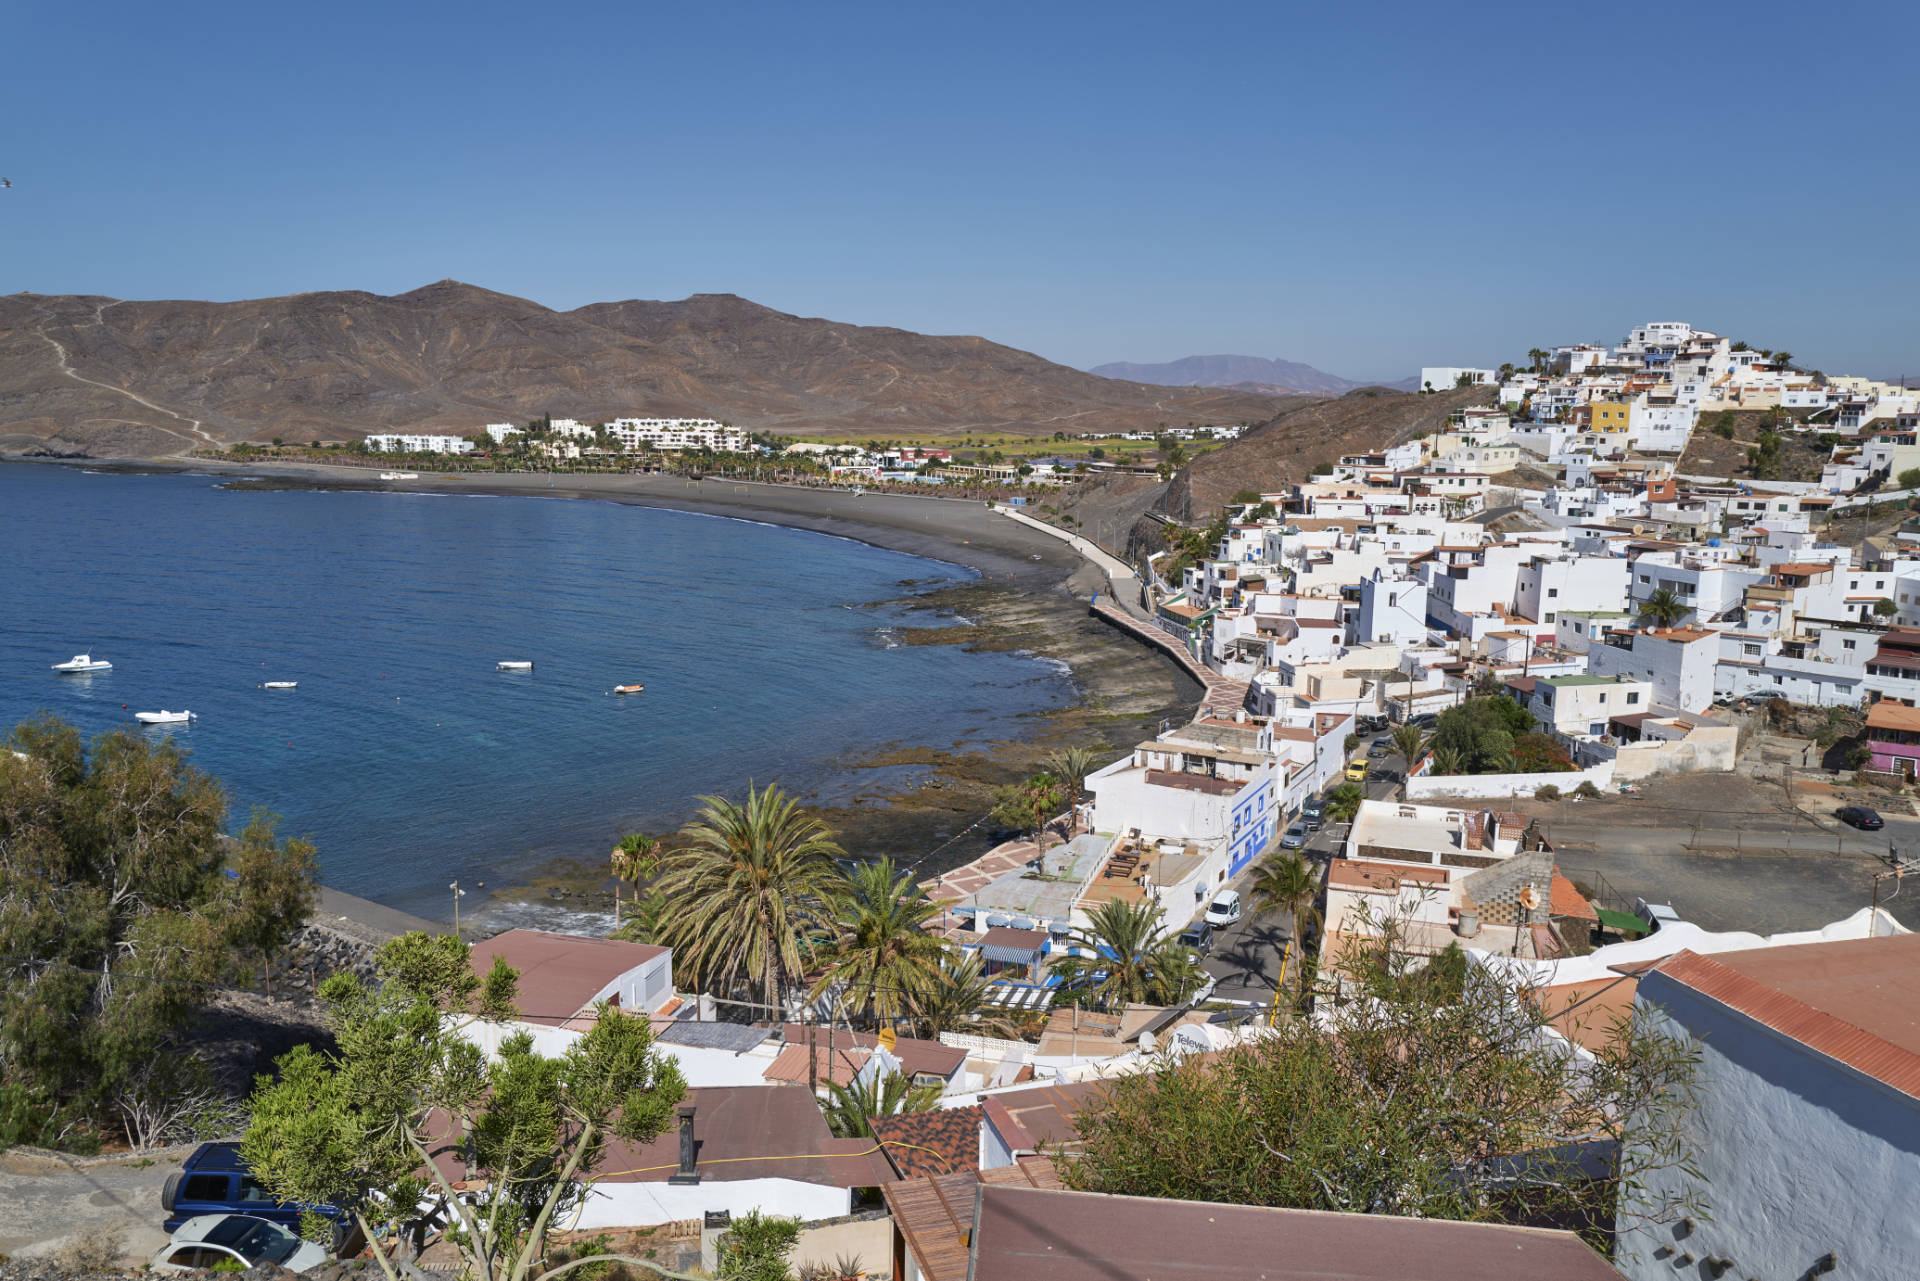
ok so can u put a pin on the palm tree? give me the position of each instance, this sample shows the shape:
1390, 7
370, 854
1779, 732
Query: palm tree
954, 1000
1537, 357
1409, 741
1446, 760
882, 950
849, 1108
1133, 958
749, 882
1664, 608
1343, 802
635, 858
1286, 882
1071, 765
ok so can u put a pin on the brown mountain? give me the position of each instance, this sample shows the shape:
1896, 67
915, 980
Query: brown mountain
131, 378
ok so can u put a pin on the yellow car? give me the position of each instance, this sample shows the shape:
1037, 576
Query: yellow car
1356, 771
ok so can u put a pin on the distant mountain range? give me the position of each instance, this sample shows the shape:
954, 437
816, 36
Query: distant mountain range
131, 379
1244, 373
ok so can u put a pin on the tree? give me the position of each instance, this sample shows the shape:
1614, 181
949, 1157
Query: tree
957, 1000
1443, 1095
1885, 608
1027, 805
1783, 358
1909, 479
1132, 958
1286, 882
850, 1107
1663, 608
636, 858
1480, 732
1343, 802
1071, 765
1536, 358
756, 1248
882, 949
384, 1125
1350, 742
119, 901
1409, 741
750, 882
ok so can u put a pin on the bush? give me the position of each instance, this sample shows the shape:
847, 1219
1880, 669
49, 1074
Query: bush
95, 1249
1723, 430
1546, 792
1587, 791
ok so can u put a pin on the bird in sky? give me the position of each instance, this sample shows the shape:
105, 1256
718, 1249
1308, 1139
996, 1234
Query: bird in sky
6, 182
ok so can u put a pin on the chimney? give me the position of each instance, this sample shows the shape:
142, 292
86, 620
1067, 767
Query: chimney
688, 1173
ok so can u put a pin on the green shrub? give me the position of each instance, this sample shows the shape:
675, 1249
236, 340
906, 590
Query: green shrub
1546, 792
1587, 791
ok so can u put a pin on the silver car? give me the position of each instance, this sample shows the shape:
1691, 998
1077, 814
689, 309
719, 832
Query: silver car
214, 1239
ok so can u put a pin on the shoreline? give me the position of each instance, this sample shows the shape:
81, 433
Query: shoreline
1031, 593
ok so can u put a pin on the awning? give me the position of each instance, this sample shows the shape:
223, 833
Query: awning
1010, 955
1625, 922
1017, 996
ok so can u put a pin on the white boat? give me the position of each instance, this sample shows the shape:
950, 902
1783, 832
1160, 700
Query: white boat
399, 475
512, 665
163, 717
84, 663
280, 685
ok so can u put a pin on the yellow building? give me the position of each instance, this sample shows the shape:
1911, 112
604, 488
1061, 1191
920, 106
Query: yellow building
1611, 415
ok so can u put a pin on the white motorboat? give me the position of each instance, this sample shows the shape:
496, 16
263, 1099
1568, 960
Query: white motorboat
399, 475
280, 685
84, 663
163, 717
512, 665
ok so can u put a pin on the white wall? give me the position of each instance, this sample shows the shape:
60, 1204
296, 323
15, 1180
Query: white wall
639, 1205
1429, 787
1800, 1154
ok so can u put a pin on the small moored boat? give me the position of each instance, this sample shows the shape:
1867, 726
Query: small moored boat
163, 717
280, 685
84, 663
629, 689
399, 475
512, 665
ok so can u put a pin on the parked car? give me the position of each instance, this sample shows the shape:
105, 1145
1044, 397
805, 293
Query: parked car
1379, 748
1199, 937
1296, 836
1313, 814
214, 1181
1225, 908
1356, 771
236, 1242
1861, 817
1370, 724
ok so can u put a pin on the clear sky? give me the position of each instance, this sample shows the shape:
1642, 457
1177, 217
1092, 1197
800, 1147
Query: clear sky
1365, 187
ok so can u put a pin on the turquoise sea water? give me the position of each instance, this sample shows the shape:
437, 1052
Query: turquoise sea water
403, 754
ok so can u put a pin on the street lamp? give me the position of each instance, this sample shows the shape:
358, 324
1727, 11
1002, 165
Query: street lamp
457, 892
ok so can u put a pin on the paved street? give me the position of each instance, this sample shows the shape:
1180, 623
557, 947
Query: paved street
45, 1200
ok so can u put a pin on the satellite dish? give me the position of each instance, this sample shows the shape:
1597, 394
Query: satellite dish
1147, 1043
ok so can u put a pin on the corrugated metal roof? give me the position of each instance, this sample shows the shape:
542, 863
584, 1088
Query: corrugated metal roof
1851, 1001
935, 1213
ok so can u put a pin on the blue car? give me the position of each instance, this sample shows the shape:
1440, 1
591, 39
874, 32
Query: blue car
214, 1180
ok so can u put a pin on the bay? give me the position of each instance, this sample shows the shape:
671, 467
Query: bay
403, 754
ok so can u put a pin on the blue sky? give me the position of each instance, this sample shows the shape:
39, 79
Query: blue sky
1365, 187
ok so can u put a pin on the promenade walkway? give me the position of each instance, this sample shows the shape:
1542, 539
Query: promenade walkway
1224, 696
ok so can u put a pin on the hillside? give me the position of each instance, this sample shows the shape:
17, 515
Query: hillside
1247, 373
1122, 512
130, 378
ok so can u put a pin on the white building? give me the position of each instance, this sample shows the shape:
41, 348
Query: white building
674, 434
1678, 663
498, 432
1807, 1130
392, 442
1445, 377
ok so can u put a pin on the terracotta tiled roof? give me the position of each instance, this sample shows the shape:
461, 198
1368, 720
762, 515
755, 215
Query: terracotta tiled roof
1887, 714
1568, 901
839, 1067
1851, 1001
944, 1141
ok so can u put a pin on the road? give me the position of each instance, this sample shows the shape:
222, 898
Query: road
45, 1200
1247, 956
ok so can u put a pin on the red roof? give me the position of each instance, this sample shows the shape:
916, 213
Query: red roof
1851, 1001
1568, 901
560, 973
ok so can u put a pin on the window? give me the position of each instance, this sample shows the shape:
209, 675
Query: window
1552, 592
1633, 696
1643, 578
1549, 616
205, 1187
1846, 644
1779, 681
1752, 651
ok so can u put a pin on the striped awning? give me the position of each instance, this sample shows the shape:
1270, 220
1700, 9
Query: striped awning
1018, 996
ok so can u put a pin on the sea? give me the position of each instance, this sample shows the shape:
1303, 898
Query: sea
768, 654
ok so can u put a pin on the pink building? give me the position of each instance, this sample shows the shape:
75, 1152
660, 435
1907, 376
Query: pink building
1893, 736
